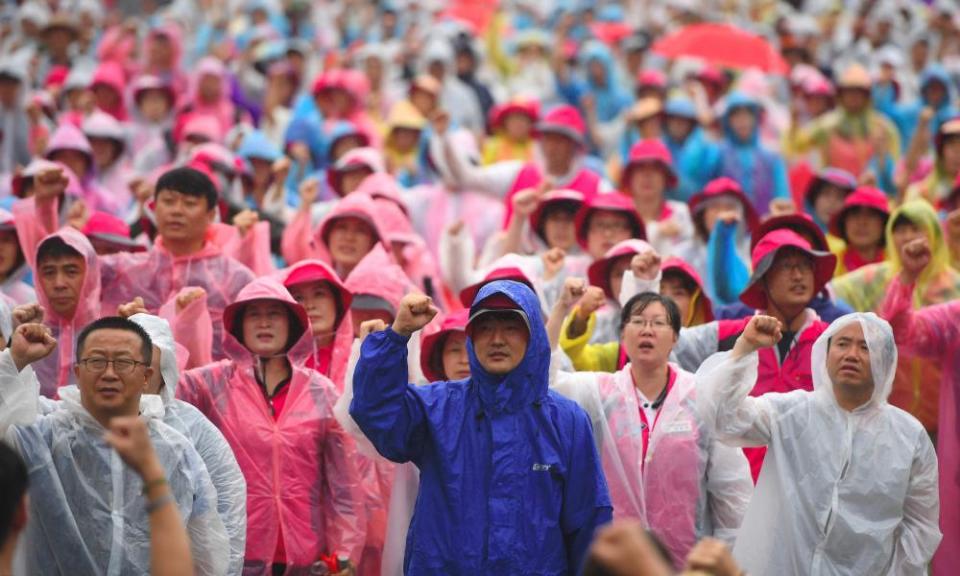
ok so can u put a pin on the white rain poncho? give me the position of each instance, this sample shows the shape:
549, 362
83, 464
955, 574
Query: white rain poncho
87, 514
689, 485
210, 444
840, 492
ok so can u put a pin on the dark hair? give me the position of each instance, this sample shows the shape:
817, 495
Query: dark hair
190, 182
117, 323
568, 206
295, 331
901, 220
54, 248
13, 486
689, 284
639, 302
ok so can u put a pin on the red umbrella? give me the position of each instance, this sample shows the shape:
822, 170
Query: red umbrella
722, 45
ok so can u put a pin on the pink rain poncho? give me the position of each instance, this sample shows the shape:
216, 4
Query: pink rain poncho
299, 243
934, 332
14, 286
333, 362
302, 483
55, 370
676, 478
222, 109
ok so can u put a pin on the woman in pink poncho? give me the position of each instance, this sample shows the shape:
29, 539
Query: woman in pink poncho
317, 288
661, 464
303, 490
934, 333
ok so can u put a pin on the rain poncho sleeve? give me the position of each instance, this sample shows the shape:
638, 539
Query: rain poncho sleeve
727, 274
81, 486
295, 244
725, 402
588, 357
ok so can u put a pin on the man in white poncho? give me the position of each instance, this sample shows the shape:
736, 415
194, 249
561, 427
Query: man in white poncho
87, 514
849, 485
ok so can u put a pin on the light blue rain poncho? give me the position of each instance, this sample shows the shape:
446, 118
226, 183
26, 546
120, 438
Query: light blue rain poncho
87, 512
906, 116
225, 473
696, 159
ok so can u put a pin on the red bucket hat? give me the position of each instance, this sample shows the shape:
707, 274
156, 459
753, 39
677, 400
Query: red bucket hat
608, 203
862, 198
110, 229
308, 271
833, 176
723, 186
649, 152
529, 108
566, 121
431, 345
650, 78
766, 251
552, 198
799, 223
599, 272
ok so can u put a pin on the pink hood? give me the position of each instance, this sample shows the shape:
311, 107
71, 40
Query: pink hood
378, 276
363, 156
69, 137
112, 75
265, 289
54, 371
355, 205
382, 185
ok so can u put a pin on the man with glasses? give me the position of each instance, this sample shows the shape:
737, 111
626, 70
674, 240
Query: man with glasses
89, 511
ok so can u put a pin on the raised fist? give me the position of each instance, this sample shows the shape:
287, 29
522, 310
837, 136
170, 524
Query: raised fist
31, 342
525, 202
761, 332
188, 296
915, 256
50, 184
309, 190
573, 290
244, 221
27, 314
369, 327
130, 308
553, 260
646, 265
593, 299
416, 311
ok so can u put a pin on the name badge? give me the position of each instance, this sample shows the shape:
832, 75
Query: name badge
679, 427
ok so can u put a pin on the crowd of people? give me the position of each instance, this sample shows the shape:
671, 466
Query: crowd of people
373, 288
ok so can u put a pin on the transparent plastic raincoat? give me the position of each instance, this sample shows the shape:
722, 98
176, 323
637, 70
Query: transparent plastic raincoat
210, 444
301, 480
674, 476
840, 492
87, 513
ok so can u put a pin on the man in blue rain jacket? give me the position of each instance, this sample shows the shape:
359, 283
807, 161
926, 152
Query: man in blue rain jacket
510, 480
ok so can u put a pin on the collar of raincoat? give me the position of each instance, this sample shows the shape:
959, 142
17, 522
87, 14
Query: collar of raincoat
162, 337
923, 215
528, 382
883, 357
151, 406
266, 288
88, 304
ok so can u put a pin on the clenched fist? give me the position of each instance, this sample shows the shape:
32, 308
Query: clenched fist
27, 314
416, 311
573, 290
136, 306
593, 299
31, 342
553, 260
761, 332
368, 327
645, 266
915, 255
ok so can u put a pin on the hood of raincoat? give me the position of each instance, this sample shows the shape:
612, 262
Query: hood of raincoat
88, 305
528, 382
609, 98
162, 337
377, 275
266, 288
69, 137
103, 125
209, 66
257, 145
937, 73
338, 131
382, 185
359, 206
883, 355
364, 156
111, 75
740, 100
701, 307
923, 215
174, 35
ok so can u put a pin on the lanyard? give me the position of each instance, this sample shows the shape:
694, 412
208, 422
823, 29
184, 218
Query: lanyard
657, 404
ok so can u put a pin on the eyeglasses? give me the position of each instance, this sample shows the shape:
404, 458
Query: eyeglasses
121, 366
794, 265
656, 323
609, 227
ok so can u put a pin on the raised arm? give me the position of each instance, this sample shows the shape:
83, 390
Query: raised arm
724, 383
19, 388
385, 406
